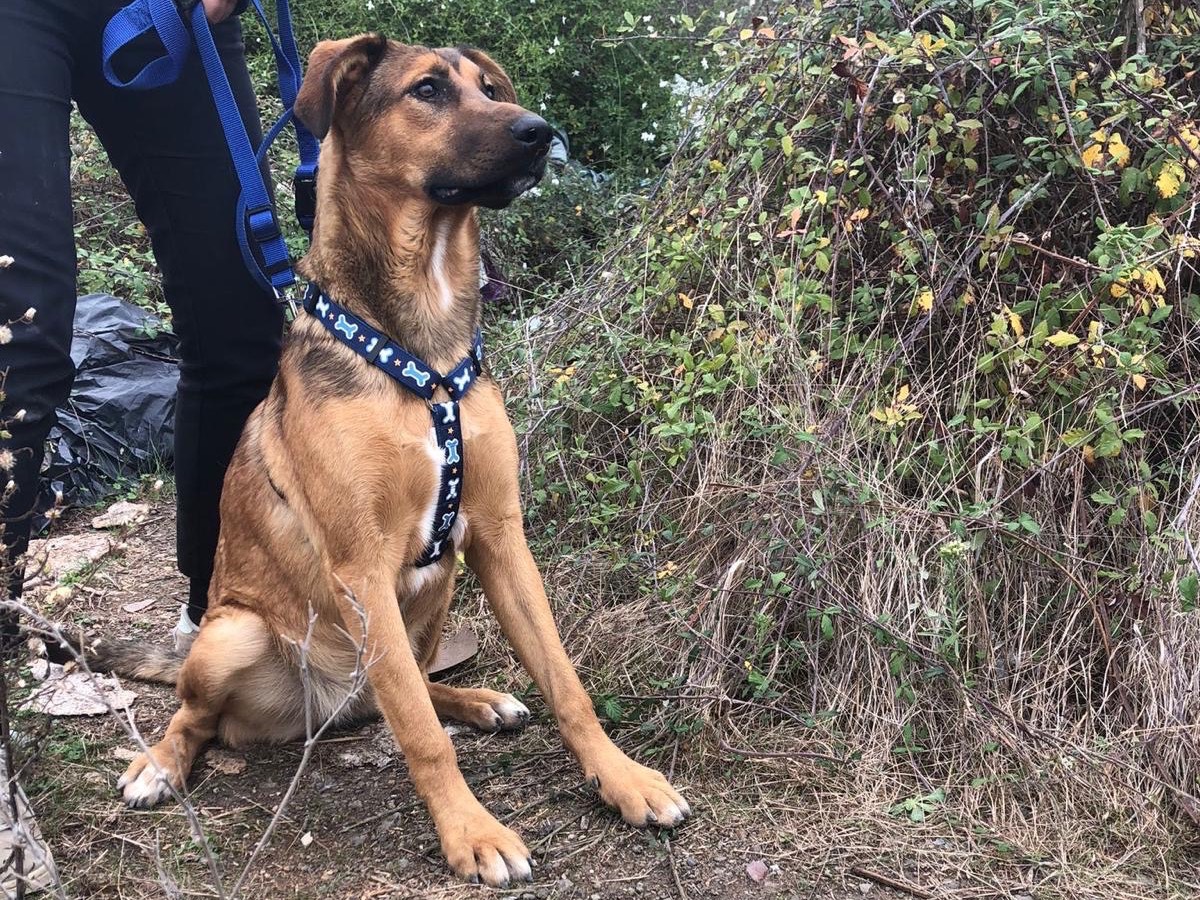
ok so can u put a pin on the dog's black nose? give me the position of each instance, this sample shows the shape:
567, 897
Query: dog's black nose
532, 131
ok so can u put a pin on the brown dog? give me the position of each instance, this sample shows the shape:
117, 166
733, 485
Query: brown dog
328, 500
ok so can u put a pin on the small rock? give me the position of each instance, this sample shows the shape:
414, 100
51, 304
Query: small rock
306, 839
564, 884
76, 693
49, 561
864, 887
124, 754
757, 871
122, 513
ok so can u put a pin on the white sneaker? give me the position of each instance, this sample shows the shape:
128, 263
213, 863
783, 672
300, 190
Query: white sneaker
185, 631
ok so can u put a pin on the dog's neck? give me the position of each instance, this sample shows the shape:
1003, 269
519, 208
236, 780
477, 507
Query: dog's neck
405, 264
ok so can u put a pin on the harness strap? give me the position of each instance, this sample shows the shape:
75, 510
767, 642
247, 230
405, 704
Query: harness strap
420, 378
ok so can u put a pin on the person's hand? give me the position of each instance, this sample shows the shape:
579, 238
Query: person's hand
218, 10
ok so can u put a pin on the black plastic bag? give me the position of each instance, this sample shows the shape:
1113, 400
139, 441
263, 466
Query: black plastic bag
119, 421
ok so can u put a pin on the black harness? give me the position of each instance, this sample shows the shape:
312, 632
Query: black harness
416, 376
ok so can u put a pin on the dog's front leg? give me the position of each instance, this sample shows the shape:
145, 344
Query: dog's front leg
476, 846
499, 555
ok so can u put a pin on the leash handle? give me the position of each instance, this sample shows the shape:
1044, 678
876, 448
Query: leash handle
129, 24
256, 223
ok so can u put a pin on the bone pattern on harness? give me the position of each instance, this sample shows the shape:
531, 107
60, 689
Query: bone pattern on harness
415, 376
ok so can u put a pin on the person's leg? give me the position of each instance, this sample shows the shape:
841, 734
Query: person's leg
36, 231
171, 152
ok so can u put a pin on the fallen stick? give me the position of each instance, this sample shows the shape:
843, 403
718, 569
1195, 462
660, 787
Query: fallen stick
898, 884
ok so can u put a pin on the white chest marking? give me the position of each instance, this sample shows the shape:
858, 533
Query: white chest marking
437, 264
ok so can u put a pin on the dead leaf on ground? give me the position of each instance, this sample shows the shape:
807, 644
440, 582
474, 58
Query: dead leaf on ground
365, 757
224, 763
138, 605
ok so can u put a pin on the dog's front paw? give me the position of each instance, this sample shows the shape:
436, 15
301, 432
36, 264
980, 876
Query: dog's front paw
147, 783
642, 795
478, 848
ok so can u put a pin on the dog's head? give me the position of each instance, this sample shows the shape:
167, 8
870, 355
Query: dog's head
443, 124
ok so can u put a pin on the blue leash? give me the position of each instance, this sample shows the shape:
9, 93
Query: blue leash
256, 223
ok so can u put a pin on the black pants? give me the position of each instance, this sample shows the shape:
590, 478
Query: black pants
168, 146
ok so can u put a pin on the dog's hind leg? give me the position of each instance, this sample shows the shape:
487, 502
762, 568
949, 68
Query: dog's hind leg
478, 707
231, 642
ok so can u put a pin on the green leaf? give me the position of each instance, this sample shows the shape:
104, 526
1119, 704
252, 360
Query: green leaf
1104, 497
1189, 590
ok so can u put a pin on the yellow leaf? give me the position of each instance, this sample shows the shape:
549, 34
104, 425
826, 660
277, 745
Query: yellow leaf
1153, 281
1170, 179
1091, 156
1089, 454
931, 45
1015, 323
1118, 150
878, 42
1062, 339
1139, 381
686, 301
902, 394
859, 214
925, 300
822, 197
1118, 288
715, 165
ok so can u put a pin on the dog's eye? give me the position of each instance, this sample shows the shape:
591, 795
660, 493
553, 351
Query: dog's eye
490, 91
425, 90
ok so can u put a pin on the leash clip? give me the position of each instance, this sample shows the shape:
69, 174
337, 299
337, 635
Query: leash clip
285, 299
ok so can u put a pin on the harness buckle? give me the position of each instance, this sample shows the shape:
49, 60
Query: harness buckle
263, 224
304, 192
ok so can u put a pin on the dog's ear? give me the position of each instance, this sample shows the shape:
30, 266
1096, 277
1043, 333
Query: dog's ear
334, 68
505, 93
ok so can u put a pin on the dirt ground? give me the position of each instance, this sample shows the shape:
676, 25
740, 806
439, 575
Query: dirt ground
355, 829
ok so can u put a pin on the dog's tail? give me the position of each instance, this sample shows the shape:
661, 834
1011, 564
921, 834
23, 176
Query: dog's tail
142, 660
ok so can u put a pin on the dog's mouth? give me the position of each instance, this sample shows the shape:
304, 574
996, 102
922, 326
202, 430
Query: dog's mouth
495, 194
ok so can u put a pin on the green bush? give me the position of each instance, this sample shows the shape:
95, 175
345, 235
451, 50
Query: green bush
591, 68
889, 400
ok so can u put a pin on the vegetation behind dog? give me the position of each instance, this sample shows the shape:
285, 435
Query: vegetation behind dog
873, 414
884, 413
